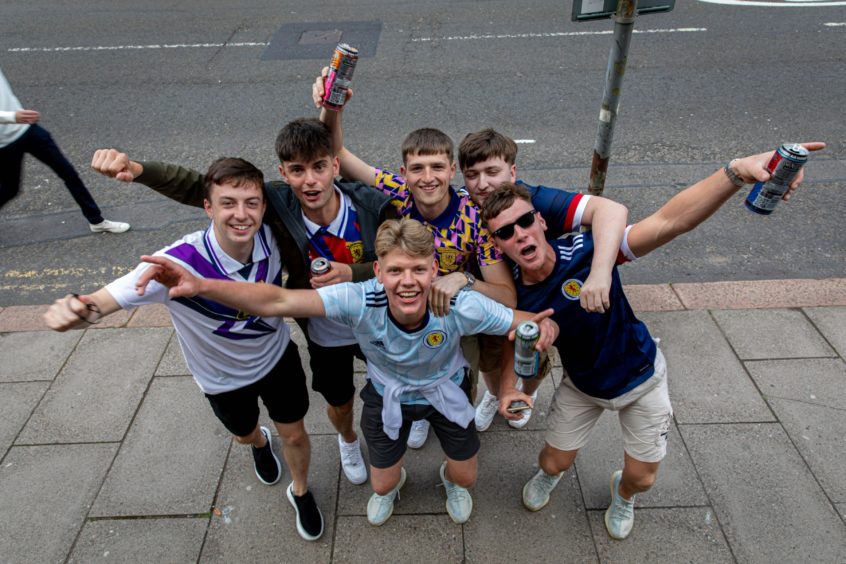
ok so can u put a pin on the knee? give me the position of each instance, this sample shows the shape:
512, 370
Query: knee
342, 410
463, 477
245, 440
644, 481
293, 436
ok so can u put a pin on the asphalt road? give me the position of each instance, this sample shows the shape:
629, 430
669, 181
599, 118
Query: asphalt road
192, 80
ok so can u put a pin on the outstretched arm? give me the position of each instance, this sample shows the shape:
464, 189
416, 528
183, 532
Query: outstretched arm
78, 312
352, 167
264, 300
184, 185
693, 205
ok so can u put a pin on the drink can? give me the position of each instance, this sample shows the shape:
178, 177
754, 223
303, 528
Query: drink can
320, 266
340, 76
783, 168
525, 356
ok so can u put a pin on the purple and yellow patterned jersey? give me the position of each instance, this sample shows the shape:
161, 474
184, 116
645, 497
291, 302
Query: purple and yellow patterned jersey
458, 231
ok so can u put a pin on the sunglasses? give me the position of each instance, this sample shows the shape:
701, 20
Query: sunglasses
507, 231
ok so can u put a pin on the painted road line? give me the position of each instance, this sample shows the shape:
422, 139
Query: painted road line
549, 34
132, 47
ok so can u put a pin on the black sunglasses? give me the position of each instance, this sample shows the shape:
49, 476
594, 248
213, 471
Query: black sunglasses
507, 231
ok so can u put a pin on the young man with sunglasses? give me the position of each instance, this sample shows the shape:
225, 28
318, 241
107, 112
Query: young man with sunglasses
611, 360
414, 364
487, 159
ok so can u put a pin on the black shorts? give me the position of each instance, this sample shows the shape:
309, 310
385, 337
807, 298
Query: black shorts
457, 442
332, 371
282, 390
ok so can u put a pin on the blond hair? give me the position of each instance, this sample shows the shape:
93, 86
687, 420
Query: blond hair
408, 235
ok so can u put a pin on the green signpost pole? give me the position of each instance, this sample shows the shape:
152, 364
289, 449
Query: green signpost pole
624, 19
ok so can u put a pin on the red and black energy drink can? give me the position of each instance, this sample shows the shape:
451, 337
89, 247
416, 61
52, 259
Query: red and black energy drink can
340, 76
783, 167
320, 266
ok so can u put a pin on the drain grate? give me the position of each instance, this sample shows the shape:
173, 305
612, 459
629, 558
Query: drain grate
316, 40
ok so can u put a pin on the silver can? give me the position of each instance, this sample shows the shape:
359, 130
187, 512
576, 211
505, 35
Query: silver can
525, 356
340, 76
320, 266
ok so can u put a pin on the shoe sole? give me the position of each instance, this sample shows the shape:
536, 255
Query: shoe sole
300, 530
417, 446
607, 526
397, 488
266, 432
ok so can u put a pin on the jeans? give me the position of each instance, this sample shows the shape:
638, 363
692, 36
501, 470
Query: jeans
38, 142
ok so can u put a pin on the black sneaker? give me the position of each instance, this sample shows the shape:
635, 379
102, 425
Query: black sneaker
268, 467
309, 518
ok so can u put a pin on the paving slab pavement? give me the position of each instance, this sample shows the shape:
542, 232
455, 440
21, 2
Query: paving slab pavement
108, 452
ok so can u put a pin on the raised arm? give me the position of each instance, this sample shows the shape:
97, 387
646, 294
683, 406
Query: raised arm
693, 205
184, 185
352, 167
264, 300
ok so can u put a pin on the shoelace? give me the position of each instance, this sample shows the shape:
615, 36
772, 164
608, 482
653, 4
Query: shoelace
548, 482
349, 454
456, 493
490, 404
624, 509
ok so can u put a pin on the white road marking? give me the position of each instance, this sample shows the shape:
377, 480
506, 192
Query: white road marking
524, 141
548, 34
132, 47
784, 4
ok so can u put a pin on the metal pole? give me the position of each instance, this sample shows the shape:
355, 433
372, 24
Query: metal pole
623, 25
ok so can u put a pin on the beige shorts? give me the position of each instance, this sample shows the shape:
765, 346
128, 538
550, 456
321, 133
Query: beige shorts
645, 416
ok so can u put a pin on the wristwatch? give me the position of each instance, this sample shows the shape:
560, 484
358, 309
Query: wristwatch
470, 281
735, 179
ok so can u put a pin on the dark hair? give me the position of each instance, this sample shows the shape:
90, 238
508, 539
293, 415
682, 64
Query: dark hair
304, 139
427, 141
503, 198
484, 145
232, 170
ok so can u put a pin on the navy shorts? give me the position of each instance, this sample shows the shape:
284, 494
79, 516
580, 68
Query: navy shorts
282, 390
457, 442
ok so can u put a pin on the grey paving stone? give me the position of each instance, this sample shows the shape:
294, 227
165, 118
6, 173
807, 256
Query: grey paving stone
46, 492
501, 529
681, 534
404, 538
707, 383
35, 355
841, 507
98, 391
173, 362
770, 507
809, 398
171, 460
256, 523
677, 483
831, 322
140, 540
16, 404
771, 333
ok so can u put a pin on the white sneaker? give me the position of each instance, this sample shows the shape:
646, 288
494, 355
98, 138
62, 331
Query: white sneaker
459, 503
619, 517
486, 410
536, 491
381, 507
419, 433
109, 226
352, 462
527, 413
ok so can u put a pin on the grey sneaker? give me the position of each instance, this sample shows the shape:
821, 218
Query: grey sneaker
486, 410
352, 462
527, 414
381, 507
619, 517
537, 489
419, 433
459, 504
107, 226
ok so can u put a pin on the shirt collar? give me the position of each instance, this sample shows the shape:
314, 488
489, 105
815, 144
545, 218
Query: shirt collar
338, 224
227, 264
443, 221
